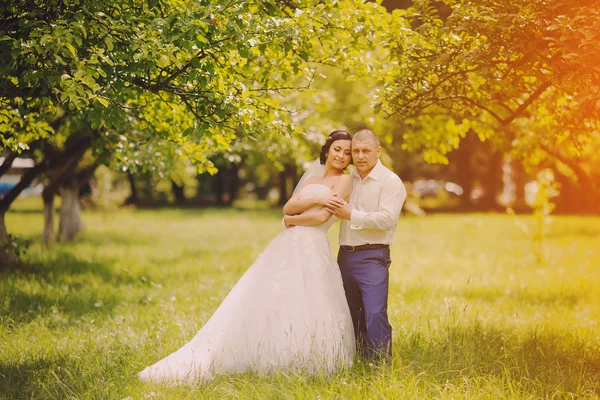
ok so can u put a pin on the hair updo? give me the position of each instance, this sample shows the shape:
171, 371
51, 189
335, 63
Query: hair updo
333, 136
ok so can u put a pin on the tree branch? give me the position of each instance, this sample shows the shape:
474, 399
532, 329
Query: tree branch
32, 173
62, 172
470, 101
8, 160
534, 96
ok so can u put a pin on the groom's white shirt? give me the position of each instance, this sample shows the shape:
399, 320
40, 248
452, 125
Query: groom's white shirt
376, 202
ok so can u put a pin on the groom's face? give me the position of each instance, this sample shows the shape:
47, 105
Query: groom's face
365, 154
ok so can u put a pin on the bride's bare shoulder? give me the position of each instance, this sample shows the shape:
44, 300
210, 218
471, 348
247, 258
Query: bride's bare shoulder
345, 178
312, 179
340, 181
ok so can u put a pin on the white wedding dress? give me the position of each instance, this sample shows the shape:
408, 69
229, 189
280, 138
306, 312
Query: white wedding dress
288, 312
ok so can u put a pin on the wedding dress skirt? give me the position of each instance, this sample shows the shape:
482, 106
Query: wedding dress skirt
288, 312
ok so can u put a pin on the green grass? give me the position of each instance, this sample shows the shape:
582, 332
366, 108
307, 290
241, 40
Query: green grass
474, 314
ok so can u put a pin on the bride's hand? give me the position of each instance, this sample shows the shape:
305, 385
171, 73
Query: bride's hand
286, 221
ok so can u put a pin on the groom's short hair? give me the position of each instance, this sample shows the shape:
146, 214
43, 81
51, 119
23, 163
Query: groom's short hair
366, 134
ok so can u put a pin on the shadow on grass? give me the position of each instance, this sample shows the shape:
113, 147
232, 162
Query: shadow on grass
63, 263
26, 211
24, 307
99, 373
544, 364
112, 238
64, 286
97, 240
20, 380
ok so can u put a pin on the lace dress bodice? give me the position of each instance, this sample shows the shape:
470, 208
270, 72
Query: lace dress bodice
312, 190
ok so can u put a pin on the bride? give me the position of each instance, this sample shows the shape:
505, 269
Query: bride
288, 312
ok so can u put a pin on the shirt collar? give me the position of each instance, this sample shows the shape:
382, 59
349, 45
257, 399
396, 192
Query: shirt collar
374, 174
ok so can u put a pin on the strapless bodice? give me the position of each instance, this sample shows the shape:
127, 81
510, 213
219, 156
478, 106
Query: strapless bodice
312, 190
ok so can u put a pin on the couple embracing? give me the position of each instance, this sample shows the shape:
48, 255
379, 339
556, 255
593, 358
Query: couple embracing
295, 308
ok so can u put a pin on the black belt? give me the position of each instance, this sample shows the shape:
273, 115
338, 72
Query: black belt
365, 247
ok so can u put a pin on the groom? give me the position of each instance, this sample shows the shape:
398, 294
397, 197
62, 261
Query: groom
367, 229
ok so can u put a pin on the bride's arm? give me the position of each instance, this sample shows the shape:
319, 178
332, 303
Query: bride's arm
343, 188
309, 219
295, 206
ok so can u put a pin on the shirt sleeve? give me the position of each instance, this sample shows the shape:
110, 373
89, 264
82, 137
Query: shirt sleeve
391, 200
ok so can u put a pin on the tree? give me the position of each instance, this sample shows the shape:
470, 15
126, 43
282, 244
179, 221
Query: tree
185, 76
522, 74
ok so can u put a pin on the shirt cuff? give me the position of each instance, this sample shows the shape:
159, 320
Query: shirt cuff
357, 219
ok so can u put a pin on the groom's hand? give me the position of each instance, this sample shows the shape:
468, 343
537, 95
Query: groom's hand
341, 209
328, 201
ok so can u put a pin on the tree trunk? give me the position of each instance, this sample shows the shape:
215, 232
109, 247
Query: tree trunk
465, 177
520, 177
133, 198
203, 190
288, 174
234, 183
217, 186
572, 198
283, 195
60, 175
492, 183
48, 236
587, 197
70, 212
178, 193
6, 257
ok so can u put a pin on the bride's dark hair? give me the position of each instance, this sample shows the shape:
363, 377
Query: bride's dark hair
333, 136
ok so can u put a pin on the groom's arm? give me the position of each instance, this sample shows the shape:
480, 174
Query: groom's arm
393, 194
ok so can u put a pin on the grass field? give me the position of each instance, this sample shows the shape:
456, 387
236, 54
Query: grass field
475, 315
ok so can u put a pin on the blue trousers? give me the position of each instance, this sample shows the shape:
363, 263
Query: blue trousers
365, 275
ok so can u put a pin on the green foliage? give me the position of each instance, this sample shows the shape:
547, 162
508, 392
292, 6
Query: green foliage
81, 319
180, 78
522, 74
